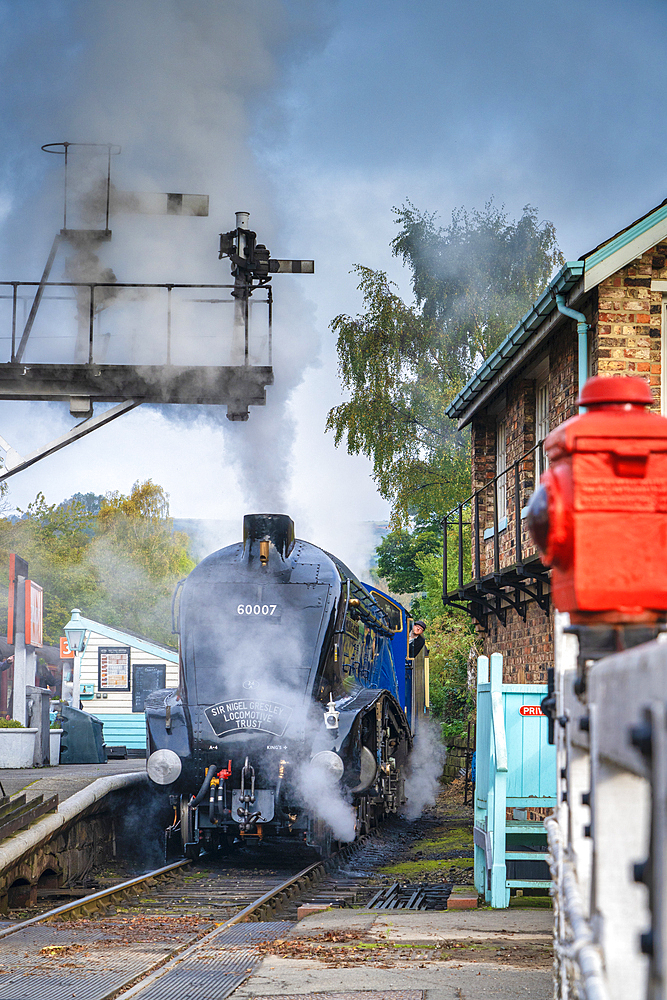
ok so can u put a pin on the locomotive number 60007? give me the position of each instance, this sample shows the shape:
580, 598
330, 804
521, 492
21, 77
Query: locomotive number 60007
325, 658
256, 609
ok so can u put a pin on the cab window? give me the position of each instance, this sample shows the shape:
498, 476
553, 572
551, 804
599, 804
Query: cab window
393, 612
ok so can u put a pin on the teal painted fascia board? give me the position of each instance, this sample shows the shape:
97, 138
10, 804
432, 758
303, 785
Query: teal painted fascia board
627, 237
145, 645
562, 282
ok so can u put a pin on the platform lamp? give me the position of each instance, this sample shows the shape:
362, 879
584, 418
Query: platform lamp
75, 630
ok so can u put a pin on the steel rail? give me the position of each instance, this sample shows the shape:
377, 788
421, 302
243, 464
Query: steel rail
95, 897
257, 910
184, 951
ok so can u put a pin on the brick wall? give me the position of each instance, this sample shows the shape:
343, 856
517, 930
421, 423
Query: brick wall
483, 469
520, 424
563, 374
527, 647
625, 339
628, 323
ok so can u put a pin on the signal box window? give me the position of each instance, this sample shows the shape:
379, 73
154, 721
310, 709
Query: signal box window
501, 466
541, 423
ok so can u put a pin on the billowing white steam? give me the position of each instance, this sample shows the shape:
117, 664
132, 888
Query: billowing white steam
425, 767
186, 117
321, 795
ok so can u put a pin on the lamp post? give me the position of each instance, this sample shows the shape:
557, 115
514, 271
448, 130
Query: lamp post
75, 630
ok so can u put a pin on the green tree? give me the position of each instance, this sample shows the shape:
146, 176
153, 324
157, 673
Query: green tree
452, 643
401, 378
477, 276
139, 558
91, 501
119, 566
397, 554
54, 539
403, 364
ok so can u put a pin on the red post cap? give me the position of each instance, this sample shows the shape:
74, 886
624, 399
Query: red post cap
619, 389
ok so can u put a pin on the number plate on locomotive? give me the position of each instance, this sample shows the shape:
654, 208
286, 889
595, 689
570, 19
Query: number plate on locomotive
248, 713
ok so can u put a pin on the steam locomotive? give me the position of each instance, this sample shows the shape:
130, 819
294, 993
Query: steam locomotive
296, 694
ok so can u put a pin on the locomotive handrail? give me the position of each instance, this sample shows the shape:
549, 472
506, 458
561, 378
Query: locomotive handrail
341, 631
372, 619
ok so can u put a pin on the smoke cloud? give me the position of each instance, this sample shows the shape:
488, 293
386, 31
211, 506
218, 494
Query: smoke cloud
321, 795
425, 767
181, 89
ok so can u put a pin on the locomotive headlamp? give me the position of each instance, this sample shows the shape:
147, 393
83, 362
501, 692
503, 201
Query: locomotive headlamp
331, 716
164, 767
330, 763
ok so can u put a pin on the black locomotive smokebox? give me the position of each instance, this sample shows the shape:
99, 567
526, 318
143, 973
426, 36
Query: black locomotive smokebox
275, 528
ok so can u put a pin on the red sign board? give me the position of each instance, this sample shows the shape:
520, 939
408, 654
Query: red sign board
65, 651
34, 606
530, 710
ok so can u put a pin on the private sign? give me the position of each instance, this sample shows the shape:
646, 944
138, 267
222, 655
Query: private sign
530, 710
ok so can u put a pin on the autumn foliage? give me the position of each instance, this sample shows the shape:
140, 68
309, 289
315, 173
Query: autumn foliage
117, 559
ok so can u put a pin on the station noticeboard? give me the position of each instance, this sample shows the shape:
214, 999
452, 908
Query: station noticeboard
34, 613
113, 668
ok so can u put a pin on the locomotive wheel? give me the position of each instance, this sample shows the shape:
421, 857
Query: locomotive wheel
190, 850
363, 817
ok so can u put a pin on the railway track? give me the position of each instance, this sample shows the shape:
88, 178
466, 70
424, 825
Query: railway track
187, 930
170, 932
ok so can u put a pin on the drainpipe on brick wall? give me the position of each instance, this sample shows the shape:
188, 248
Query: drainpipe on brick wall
582, 331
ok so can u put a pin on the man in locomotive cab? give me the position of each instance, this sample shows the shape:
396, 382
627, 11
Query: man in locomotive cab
417, 639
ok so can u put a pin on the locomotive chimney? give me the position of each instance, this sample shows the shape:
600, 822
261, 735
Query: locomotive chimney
277, 529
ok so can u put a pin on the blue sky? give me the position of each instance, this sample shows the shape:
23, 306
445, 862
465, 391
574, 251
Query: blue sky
316, 116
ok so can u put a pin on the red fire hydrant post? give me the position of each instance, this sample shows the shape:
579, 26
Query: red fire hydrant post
599, 516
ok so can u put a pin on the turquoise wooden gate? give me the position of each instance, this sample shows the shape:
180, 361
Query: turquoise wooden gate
516, 769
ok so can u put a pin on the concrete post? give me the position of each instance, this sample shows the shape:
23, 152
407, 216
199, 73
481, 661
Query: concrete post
38, 704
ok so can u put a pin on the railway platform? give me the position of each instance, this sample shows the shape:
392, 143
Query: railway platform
55, 822
64, 780
351, 954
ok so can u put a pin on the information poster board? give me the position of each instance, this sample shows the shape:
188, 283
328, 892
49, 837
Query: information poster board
113, 668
